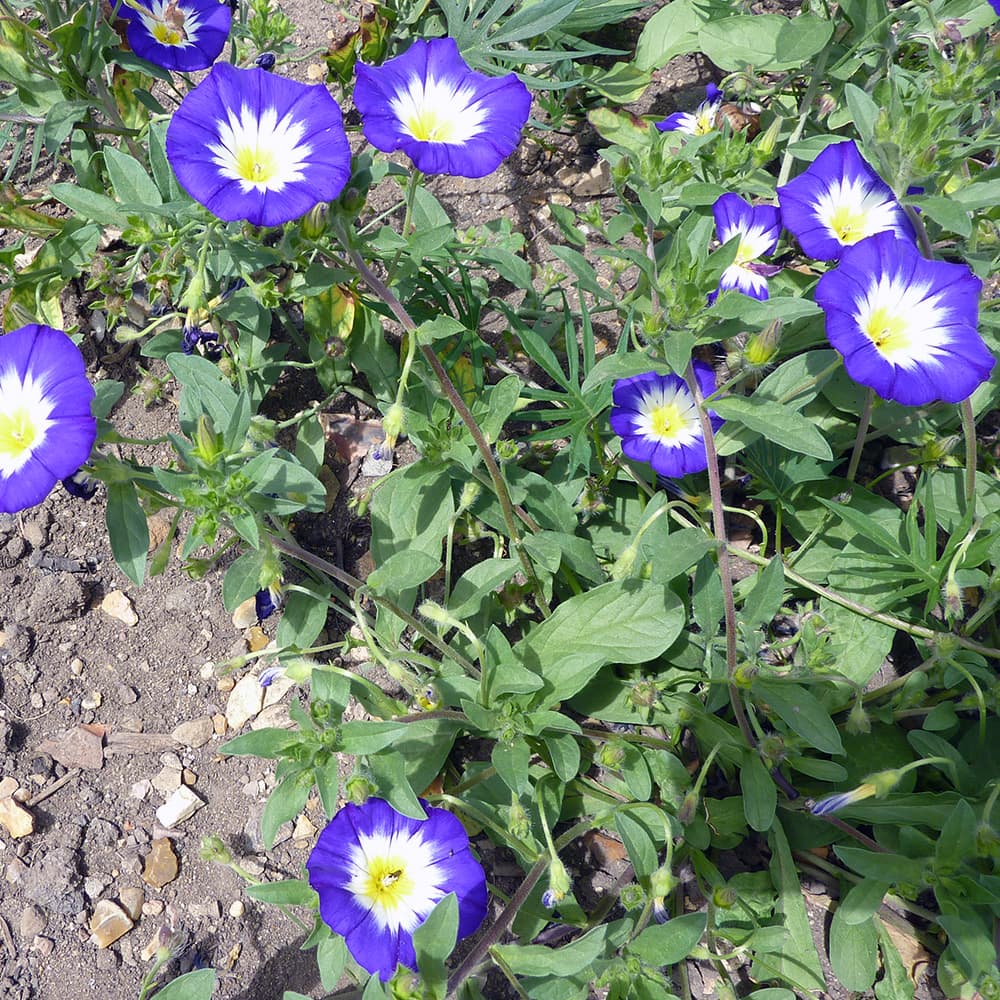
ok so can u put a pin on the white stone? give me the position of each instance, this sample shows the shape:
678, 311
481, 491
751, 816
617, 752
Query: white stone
118, 606
182, 805
245, 701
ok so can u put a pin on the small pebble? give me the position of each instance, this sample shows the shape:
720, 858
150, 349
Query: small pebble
225, 683
43, 945
237, 909
76, 666
152, 907
117, 605
91, 701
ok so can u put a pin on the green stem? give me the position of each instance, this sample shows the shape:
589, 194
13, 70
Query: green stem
859, 439
725, 573
455, 398
969, 430
804, 107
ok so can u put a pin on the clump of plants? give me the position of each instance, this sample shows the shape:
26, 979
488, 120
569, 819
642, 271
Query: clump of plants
805, 302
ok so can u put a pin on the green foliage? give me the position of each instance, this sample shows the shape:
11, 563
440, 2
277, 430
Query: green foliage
574, 646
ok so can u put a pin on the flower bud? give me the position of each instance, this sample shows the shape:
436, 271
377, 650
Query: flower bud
632, 896
688, 809
762, 347
518, 820
724, 897
662, 882
313, 224
469, 495
559, 883
265, 61
763, 148
208, 445
625, 562
214, 849
358, 789
611, 756
858, 721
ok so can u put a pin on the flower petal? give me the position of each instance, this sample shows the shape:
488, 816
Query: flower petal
839, 201
906, 326
251, 145
446, 117
180, 35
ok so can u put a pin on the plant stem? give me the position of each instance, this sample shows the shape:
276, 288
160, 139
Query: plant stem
804, 105
725, 574
969, 430
459, 404
859, 440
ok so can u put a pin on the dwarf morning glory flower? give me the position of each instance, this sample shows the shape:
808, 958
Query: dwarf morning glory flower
758, 230
270, 674
379, 874
834, 803
839, 201
80, 485
657, 420
906, 326
46, 427
446, 117
181, 35
267, 600
205, 342
701, 121
251, 145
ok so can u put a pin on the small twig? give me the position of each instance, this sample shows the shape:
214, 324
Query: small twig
53, 788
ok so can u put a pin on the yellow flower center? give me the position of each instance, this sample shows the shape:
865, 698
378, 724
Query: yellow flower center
255, 163
167, 35
427, 124
665, 421
886, 330
18, 432
850, 224
386, 883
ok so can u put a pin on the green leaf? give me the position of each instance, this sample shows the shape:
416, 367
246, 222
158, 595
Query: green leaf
286, 802
629, 621
671, 31
776, 422
197, 985
797, 961
803, 713
268, 742
511, 761
946, 213
477, 582
331, 957
760, 796
128, 530
854, 952
303, 617
667, 944
863, 110
403, 571
433, 941
132, 185
411, 510
89, 204
539, 960
957, 841
862, 901
292, 891
764, 41
242, 579
204, 389
895, 983
439, 328
637, 841
564, 752
764, 601
881, 866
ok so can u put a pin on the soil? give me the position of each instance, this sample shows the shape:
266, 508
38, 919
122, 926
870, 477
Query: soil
66, 662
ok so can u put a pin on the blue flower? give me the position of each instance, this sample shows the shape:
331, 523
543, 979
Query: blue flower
46, 428
379, 874
251, 145
906, 326
699, 122
657, 420
180, 35
839, 201
444, 116
205, 342
758, 230
80, 485
267, 600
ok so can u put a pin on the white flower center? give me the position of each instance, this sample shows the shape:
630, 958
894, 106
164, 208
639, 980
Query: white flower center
852, 210
668, 414
394, 876
171, 24
439, 111
903, 321
24, 420
754, 243
261, 153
